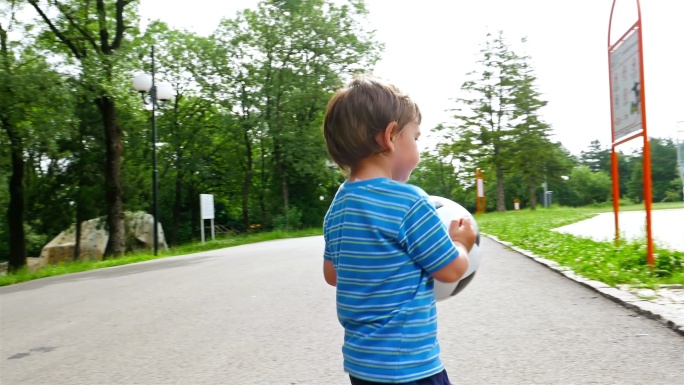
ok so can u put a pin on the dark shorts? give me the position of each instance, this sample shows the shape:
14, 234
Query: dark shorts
440, 378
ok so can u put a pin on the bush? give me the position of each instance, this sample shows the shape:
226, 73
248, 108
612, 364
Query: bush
293, 221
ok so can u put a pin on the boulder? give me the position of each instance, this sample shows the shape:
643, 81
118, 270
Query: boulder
94, 238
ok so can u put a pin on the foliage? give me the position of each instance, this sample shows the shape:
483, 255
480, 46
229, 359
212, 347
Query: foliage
244, 124
603, 261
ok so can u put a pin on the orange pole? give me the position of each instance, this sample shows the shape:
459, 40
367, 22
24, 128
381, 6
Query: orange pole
480, 200
648, 191
484, 202
616, 190
477, 190
613, 159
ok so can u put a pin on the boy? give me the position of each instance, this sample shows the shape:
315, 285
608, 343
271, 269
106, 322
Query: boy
384, 242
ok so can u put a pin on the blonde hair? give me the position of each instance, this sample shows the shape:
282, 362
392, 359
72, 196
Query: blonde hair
360, 111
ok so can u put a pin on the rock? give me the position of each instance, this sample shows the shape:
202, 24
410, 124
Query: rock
94, 238
646, 293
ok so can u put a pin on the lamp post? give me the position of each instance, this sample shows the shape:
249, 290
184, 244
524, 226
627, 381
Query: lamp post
144, 83
680, 152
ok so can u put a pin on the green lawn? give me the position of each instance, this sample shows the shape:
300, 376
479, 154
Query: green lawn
626, 206
196, 247
530, 230
603, 261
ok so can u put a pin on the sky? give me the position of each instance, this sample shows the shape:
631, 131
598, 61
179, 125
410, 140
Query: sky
430, 46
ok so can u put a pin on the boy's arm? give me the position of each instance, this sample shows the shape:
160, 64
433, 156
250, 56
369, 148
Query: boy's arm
454, 271
329, 272
428, 243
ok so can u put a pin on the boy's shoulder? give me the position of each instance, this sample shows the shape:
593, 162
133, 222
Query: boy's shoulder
389, 189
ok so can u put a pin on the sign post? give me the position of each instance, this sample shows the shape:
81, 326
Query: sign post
628, 112
680, 152
479, 183
207, 212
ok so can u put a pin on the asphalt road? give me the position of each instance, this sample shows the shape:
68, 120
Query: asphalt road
262, 314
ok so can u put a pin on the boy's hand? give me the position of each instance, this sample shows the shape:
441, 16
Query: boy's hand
462, 231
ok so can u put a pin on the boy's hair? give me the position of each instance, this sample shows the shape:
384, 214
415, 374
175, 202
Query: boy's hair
360, 111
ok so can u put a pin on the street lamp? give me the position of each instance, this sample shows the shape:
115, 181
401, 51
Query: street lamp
680, 152
144, 83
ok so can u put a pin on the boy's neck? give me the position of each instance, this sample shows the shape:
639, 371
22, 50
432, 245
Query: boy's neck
372, 167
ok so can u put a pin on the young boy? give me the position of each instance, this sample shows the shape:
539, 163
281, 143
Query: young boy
384, 242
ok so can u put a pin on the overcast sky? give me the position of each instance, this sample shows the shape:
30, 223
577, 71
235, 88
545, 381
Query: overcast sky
430, 45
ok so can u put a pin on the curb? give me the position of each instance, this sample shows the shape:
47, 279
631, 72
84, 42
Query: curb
661, 313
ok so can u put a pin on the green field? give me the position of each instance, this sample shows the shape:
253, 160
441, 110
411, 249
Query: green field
530, 230
602, 261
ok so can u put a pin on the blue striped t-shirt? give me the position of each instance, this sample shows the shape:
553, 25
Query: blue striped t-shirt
385, 238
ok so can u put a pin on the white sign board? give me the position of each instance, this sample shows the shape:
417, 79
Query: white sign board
480, 188
626, 87
207, 206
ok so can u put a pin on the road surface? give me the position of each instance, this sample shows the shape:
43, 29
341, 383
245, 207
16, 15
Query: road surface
262, 314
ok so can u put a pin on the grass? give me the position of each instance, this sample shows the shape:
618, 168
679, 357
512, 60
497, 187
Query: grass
24, 275
625, 206
530, 230
602, 261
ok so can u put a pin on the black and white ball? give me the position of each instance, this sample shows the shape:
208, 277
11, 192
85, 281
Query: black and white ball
449, 211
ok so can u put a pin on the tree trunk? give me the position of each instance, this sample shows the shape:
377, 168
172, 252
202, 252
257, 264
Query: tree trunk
113, 190
193, 201
500, 202
283, 185
178, 201
533, 195
15, 213
286, 197
262, 194
79, 219
247, 183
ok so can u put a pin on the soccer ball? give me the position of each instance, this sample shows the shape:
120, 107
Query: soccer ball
449, 211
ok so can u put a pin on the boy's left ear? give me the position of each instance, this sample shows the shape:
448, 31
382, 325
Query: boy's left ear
388, 136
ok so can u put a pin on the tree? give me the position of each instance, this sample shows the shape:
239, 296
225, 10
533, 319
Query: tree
34, 105
484, 129
288, 57
436, 175
8, 106
535, 157
94, 37
587, 187
663, 171
596, 158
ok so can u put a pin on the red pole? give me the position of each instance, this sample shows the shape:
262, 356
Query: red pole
613, 158
615, 170
648, 191
479, 200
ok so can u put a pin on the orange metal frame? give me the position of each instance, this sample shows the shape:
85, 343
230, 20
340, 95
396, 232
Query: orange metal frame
648, 195
480, 203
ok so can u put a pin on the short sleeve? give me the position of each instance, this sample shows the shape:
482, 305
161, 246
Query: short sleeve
425, 238
327, 253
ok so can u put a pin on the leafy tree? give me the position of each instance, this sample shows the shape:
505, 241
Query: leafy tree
596, 158
436, 175
663, 171
587, 187
484, 130
34, 106
291, 56
535, 157
93, 33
